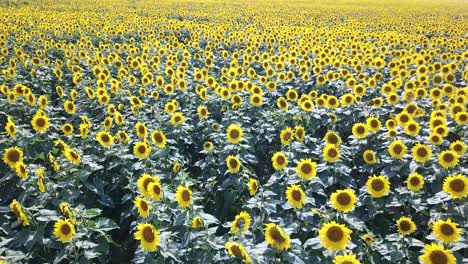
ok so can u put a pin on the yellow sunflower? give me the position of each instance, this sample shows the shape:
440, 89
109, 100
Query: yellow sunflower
64, 230
40, 123
286, 136
241, 223
177, 118
202, 112
234, 134
158, 138
197, 222
142, 149
299, 133
360, 130
141, 130
207, 146
73, 156
378, 186
19, 211
143, 207
446, 231
368, 238
448, 159
347, 258
306, 169
421, 153
456, 186
335, 236
296, 196
406, 225
12, 156
459, 147
276, 237
148, 236
237, 250
21, 170
10, 127
397, 149
369, 157
437, 254
343, 200
331, 153
105, 139
279, 160
143, 184
333, 138
233, 164
155, 190
415, 182
183, 196
253, 186
373, 124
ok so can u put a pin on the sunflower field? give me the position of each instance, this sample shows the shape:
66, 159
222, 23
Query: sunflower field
210, 131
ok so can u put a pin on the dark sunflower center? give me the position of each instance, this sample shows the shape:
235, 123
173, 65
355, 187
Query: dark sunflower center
146, 182
141, 129
287, 136
412, 127
374, 123
296, 194
70, 107
343, 198
148, 234
276, 235
369, 157
177, 119
156, 189
404, 118
73, 155
457, 148
415, 181
332, 153
234, 133
448, 157
306, 168
144, 205
142, 149
65, 229
158, 137
422, 152
377, 185
299, 133
335, 234
447, 229
360, 130
233, 163
236, 251
282, 103
281, 160
105, 138
13, 155
40, 122
405, 226
457, 185
398, 149
203, 112
186, 195
332, 139
438, 257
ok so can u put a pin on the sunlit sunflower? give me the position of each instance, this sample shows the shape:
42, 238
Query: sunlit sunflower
64, 230
406, 225
397, 149
21, 170
10, 127
459, 147
369, 157
237, 250
12, 156
299, 133
378, 186
183, 196
202, 112
148, 236
360, 130
143, 184
421, 153
333, 138
69, 107
279, 160
286, 136
415, 182
197, 222
233, 164
141, 130
155, 190
142, 149
40, 123
276, 237
343, 200
73, 156
448, 159
373, 124
19, 211
143, 207
368, 238
446, 231
253, 186
296, 196
335, 236
177, 119
105, 139
331, 153
158, 138
306, 169
437, 254
207, 146
241, 223
347, 258
234, 134
456, 186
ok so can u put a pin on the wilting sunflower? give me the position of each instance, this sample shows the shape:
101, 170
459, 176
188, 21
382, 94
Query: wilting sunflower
448, 159
333, 138
148, 236
378, 186
331, 153
40, 123
237, 250
177, 118
306, 169
19, 211
233, 164
296, 196
456, 186
234, 134
143, 184
12, 156
360, 130
142, 149
406, 225
64, 230
279, 160
369, 157
155, 190
21, 170
397, 149
276, 237
286, 136
446, 231
158, 138
73, 156
347, 258
253, 186
241, 223
415, 182
459, 147
183, 196
197, 222
335, 236
105, 139
421, 153
143, 207
437, 254
343, 200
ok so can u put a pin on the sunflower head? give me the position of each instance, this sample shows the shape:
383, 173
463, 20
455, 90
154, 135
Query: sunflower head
276, 237
335, 236
234, 134
12, 156
241, 223
233, 164
295, 196
435, 254
197, 222
456, 186
143, 207
343, 200
369, 157
148, 236
421, 153
286, 136
279, 160
333, 138
306, 169
253, 186
446, 231
448, 159
347, 258
378, 186
64, 230
360, 130
183, 196
406, 225
331, 153
237, 250
142, 150
415, 182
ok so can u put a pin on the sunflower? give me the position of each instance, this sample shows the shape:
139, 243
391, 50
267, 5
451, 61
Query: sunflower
148, 236
253, 186
459, 147
437, 254
207, 146
331, 153
233, 164
21, 170
197, 222
237, 250
10, 127
177, 118
73, 156
142, 149
347, 258
105, 139
368, 238
12, 156
141, 130
155, 190
256, 100
378, 186
183, 196
421, 153
296, 196
234, 134
412, 128
446, 231
456, 186
19, 211
276, 237
415, 182
397, 149
369, 157
241, 223
343, 200
448, 159
202, 112
158, 138
406, 225
40, 123
69, 107
306, 169
373, 124
64, 230
143, 184
143, 207
435, 139
335, 236
286, 136
333, 138
299, 133
279, 160
359, 130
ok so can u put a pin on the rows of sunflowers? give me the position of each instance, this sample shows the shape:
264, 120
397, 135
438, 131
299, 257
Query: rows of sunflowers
233, 131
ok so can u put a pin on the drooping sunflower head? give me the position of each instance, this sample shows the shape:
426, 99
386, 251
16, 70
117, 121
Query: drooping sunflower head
397, 149
197, 222
183, 196
253, 185
241, 223
279, 160
331, 153
64, 230
343, 200
237, 250
276, 237
143, 184
448, 159
21, 170
148, 236
12, 156
141, 130
406, 225
421, 153
295, 196
437, 254
335, 236
369, 157
306, 169
456, 186
73, 156
415, 182
234, 134
378, 186
233, 164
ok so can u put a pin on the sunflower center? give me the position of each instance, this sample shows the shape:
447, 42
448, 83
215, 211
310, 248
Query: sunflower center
296, 194
405, 226
332, 153
414, 181
73, 155
234, 133
369, 157
148, 234
360, 130
65, 229
70, 107
144, 205
236, 251
299, 133
13, 155
276, 235
156, 189
280, 160
343, 198
438, 257
457, 185
397, 149
422, 152
177, 119
287, 136
146, 182
448, 157
333, 139
105, 138
186, 195
141, 129
378, 185
306, 168
457, 148
158, 137
374, 123
142, 149
335, 234
40, 122
233, 163
447, 229
347, 262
